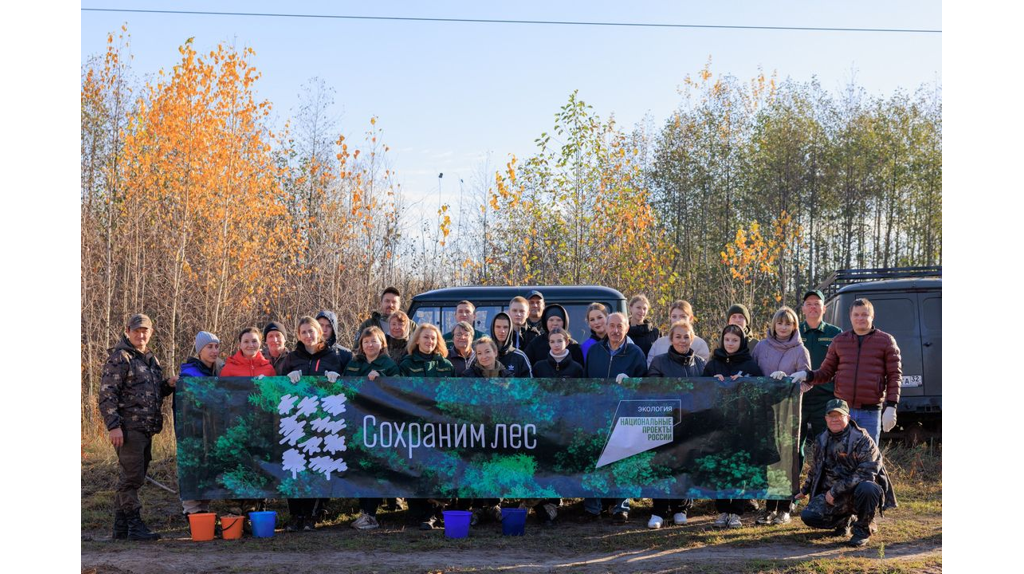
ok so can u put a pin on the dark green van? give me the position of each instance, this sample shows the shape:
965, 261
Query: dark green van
438, 306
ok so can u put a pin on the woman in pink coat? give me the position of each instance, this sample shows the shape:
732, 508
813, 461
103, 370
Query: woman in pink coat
779, 355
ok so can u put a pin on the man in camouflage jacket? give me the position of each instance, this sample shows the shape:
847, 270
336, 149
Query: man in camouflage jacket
847, 478
131, 395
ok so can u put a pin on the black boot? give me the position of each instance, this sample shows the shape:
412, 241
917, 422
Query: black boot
120, 525
860, 537
137, 529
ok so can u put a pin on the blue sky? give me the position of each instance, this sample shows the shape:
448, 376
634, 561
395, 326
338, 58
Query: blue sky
449, 94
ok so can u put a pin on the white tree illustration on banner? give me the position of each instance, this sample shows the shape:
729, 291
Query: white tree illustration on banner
321, 437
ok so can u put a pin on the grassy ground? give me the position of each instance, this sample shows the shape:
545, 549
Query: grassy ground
909, 538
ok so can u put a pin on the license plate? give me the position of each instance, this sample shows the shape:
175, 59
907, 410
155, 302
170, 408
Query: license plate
912, 381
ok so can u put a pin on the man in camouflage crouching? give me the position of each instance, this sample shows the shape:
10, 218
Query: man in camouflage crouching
847, 482
131, 395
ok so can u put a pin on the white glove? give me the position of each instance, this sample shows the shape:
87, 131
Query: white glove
888, 418
778, 375
260, 376
798, 377
331, 376
294, 376
372, 375
619, 377
804, 387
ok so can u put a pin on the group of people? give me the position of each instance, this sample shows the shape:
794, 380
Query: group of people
851, 382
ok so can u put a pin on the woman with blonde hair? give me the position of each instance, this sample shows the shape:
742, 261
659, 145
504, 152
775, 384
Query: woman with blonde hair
426, 358
781, 354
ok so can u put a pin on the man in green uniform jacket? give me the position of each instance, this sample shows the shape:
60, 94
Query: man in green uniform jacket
816, 335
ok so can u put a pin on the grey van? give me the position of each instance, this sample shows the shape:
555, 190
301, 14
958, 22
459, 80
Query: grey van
911, 311
437, 307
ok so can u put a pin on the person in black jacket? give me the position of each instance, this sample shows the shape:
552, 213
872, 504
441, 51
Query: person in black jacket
508, 355
732, 359
555, 316
682, 362
329, 325
558, 364
312, 357
642, 331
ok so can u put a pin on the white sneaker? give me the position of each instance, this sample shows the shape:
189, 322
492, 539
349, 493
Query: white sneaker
722, 521
782, 518
679, 518
734, 521
365, 522
655, 522
766, 517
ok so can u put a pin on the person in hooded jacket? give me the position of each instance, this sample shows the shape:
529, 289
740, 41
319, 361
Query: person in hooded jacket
329, 325
460, 349
248, 361
558, 364
206, 363
311, 357
554, 316
732, 359
371, 361
681, 361
781, 354
642, 331
275, 343
509, 356
597, 320
426, 358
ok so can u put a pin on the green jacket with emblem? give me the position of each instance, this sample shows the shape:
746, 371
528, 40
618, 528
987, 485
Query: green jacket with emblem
417, 364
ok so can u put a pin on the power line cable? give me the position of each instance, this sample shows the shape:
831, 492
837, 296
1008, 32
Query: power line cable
528, 22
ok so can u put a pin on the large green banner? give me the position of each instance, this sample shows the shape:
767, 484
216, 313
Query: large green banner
463, 437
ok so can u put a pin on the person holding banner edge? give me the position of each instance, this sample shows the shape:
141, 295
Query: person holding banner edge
312, 357
781, 353
426, 358
615, 358
680, 361
732, 359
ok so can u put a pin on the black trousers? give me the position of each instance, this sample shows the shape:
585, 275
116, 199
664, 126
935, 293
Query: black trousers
666, 507
735, 505
305, 507
778, 505
133, 456
370, 505
423, 509
864, 503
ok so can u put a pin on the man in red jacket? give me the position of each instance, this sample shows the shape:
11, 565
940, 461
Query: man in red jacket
866, 365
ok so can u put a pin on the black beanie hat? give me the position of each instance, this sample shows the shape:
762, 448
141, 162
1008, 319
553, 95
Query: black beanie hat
273, 326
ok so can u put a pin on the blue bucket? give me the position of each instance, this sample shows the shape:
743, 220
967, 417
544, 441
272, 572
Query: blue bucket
513, 521
456, 523
263, 523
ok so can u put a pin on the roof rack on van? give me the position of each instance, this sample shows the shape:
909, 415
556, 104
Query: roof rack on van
843, 277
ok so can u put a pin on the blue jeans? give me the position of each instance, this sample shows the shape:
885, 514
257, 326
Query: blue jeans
870, 421
595, 505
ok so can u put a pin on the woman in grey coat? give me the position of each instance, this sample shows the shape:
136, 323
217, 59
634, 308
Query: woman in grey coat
781, 354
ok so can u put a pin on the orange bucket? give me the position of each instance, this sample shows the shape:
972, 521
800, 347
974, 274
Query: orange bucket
231, 527
202, 525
